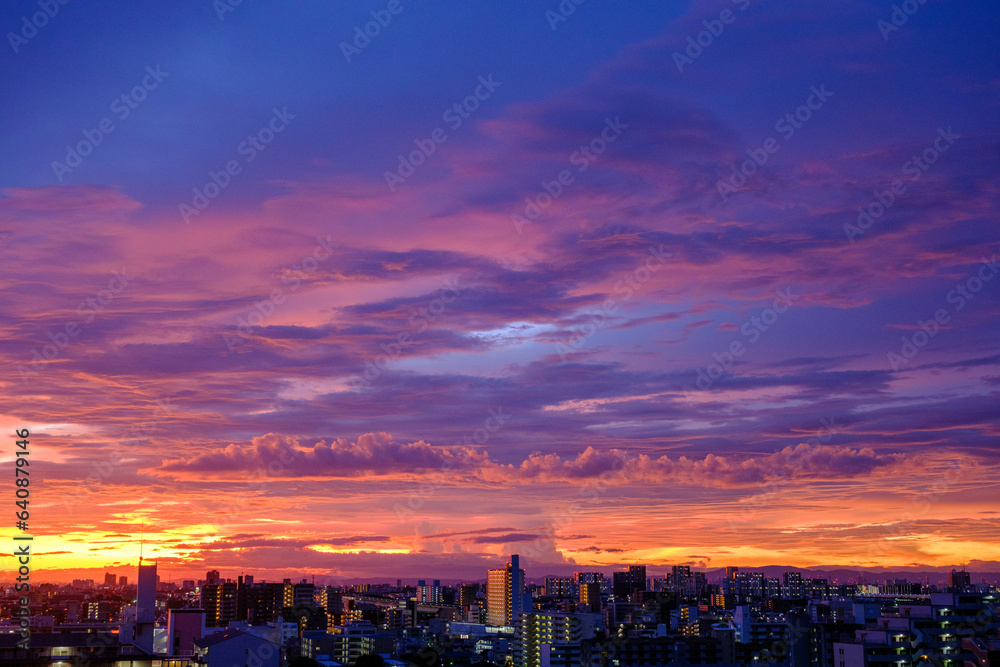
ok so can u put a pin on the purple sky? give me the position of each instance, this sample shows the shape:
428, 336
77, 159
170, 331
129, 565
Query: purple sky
709, 283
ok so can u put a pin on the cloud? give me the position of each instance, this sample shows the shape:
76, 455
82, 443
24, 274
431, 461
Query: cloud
599, 550
481, 531
509, 537
616, 468
73, 201
281, 543
375, 453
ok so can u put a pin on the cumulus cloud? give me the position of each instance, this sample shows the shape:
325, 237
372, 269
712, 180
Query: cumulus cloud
615, 467
379, 454
278, 455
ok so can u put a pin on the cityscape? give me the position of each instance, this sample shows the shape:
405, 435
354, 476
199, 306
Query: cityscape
502, 333
589, 619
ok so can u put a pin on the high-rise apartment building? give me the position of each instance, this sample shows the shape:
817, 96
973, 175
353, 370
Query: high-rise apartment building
562, 587
542, 634
959, 580
466, 595
638, 576
792, 586
590, 594
429, 593
629, 584
220, 602
505, 594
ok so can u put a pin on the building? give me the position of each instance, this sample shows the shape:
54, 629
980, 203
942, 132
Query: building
590, 595
560, 587
745, 586
94, 649
467, 595
959, 581
235, 647
505, 594
184, 627
684, 582
146, 592
140, 627
302, 594
429, 593
629, 584
684, 620
356, 638
986, 652
632, 651
260, 603
496, 597
542, 637
331, 599
932, 629
220, 602
792, 586
110, 579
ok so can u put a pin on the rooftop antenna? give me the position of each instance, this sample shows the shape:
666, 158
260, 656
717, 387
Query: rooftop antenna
142, 531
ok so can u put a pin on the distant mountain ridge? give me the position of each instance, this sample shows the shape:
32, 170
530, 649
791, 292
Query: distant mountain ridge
980, 570
843, 575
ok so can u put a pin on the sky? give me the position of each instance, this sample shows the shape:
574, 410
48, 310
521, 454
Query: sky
395, 288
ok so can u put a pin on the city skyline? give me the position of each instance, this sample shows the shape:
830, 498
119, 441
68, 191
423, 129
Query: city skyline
396, 288
432, 588
587, 620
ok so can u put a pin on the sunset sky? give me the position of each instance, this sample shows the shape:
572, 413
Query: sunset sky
709, 283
